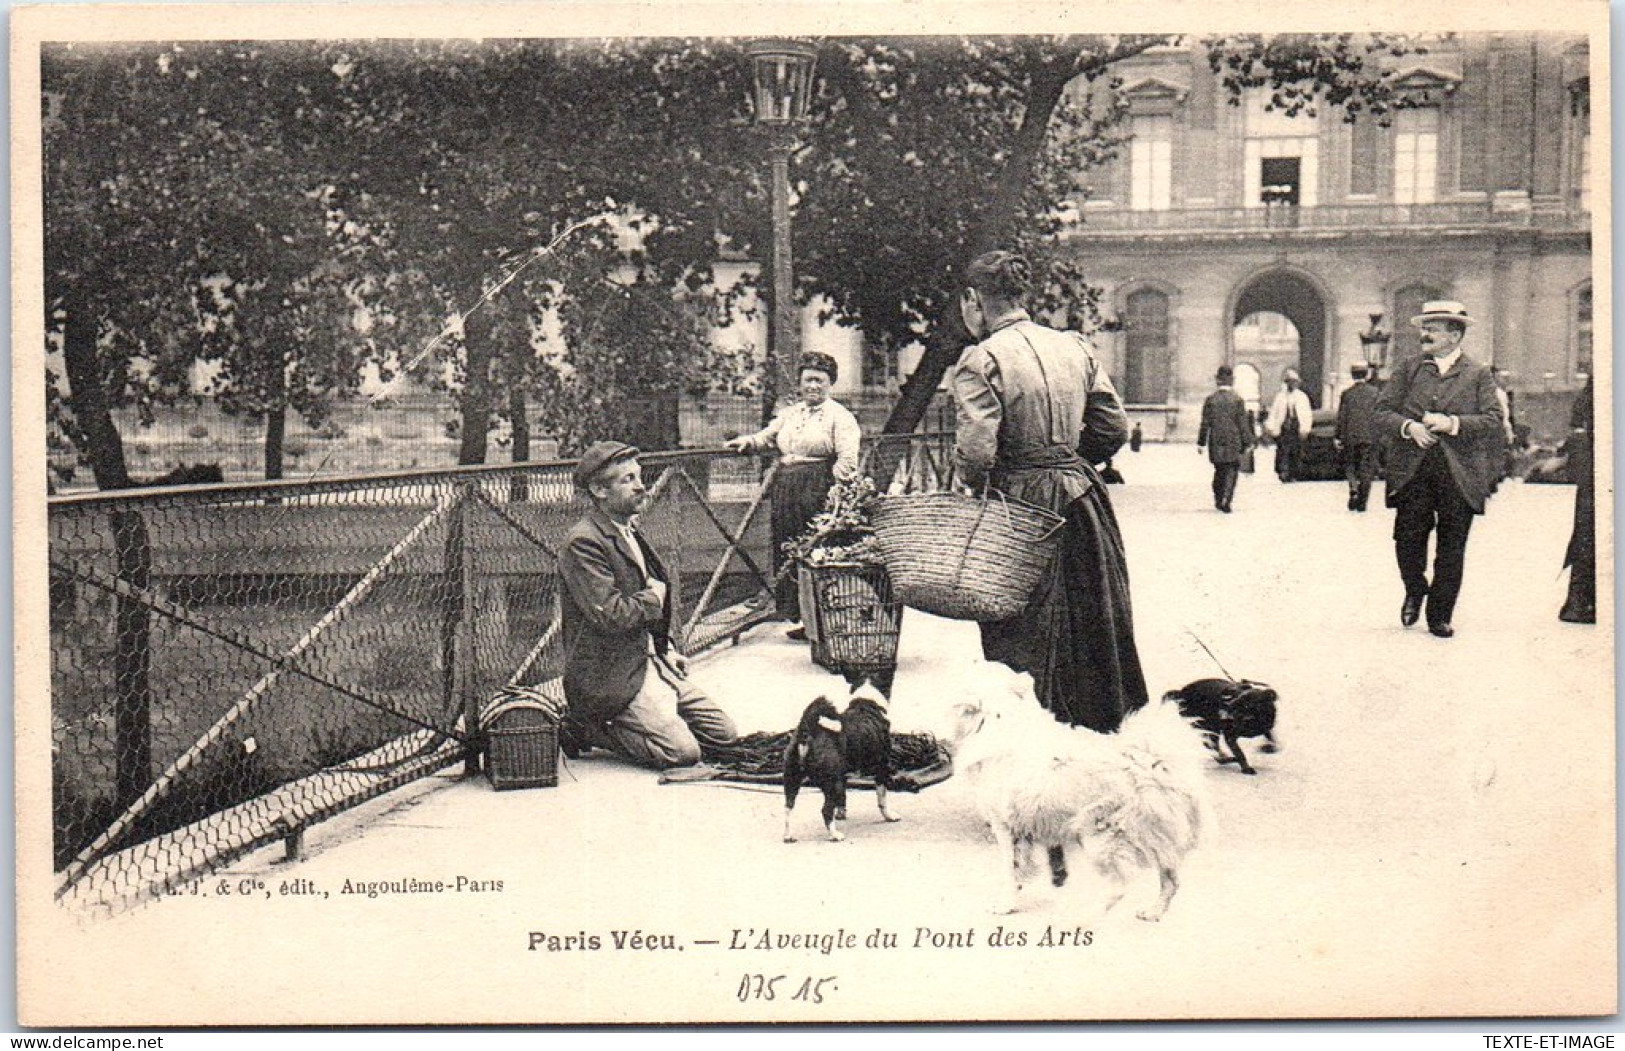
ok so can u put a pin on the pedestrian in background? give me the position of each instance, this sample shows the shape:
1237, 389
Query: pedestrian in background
1505, 398
1289, 421
1581, 558
1354, 435
1441, 426
1227, 434
1135, 438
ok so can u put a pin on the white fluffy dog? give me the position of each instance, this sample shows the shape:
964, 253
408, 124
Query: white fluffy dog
1132, 800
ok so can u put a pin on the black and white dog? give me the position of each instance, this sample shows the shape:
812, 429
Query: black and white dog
829, 744
1228, 710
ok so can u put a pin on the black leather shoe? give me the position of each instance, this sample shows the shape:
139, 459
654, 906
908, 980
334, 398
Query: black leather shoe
571, 742
797, 634
1442, 630
1411, 610
1578, 614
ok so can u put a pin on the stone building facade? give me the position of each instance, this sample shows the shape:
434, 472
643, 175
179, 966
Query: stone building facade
1232, 234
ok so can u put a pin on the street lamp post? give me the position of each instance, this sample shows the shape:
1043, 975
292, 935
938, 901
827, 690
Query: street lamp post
782, 72
1374, 346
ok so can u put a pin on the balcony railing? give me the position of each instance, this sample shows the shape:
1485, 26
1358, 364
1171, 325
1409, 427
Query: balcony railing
1287, 217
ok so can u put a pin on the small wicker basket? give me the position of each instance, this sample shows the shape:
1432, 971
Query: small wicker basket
521, 728
965, 557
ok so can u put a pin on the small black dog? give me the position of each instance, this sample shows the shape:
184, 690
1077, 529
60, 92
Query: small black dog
1227, 709
829, 744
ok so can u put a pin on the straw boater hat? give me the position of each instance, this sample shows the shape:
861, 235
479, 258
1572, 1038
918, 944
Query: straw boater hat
1442, 310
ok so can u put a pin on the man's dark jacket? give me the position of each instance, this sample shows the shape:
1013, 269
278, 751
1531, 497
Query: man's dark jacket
609, 615
1473, 454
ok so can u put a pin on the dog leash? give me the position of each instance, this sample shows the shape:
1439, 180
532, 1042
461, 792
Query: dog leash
1209, 652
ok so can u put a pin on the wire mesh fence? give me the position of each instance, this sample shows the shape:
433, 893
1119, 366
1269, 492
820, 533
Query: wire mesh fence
232, 663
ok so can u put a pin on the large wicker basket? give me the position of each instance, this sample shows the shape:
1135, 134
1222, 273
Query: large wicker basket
965, 557
521, 727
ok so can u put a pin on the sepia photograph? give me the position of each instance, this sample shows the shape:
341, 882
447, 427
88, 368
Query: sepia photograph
623, 514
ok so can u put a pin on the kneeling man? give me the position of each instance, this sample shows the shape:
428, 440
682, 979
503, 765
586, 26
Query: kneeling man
626, 682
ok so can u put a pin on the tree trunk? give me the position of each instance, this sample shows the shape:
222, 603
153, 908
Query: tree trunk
93, 431
519, 420
276, 427
997, 224
478, 354
98, 439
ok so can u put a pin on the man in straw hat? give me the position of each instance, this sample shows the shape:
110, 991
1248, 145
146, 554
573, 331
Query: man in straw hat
626, 682
1441, 425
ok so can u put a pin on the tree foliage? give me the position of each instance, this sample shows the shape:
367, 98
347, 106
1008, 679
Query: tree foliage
294, 212
924, 153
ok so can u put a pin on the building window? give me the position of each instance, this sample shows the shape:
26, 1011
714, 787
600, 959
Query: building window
1416, 156
879, 367
1407, 304
1145, 348
1582, 329
1365, 157
1585, 169
1151, 164
1577, 137
1282, 156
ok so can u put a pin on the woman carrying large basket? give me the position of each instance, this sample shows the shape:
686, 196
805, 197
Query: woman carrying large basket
1035, 411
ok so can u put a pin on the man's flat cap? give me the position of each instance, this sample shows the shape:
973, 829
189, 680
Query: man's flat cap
599, 456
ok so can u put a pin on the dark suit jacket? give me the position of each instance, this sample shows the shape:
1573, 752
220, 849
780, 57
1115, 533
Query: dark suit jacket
1354, 411
1224, 430
609, 615
1467, 392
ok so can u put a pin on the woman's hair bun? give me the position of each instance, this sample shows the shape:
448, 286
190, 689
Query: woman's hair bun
1002, 274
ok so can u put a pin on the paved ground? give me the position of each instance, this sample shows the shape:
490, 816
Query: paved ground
1435, 839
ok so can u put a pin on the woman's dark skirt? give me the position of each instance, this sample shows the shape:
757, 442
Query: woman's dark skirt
1076, 637
799, 492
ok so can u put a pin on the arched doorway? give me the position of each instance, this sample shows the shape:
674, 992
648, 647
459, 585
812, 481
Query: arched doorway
1292, 297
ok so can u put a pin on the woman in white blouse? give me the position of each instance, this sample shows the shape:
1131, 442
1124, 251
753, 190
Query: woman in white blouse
817, 439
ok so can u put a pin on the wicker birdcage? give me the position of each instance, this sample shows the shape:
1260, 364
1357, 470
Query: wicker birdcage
521, 728
851, 615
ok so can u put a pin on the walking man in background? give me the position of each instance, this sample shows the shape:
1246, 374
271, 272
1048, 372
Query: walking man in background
1354, 436
1581, 557
1441, 425
1227, 434
1289, 420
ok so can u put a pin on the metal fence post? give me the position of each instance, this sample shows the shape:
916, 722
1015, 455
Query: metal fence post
456, 634
132, 659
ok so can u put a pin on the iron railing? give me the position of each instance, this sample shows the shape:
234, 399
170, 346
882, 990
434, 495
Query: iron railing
233, 663
1367, 217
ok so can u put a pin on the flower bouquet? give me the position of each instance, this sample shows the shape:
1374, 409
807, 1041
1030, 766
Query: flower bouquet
841, 531
851, 616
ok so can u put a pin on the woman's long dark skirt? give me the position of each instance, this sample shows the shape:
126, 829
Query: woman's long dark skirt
799, 492
1076, 637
